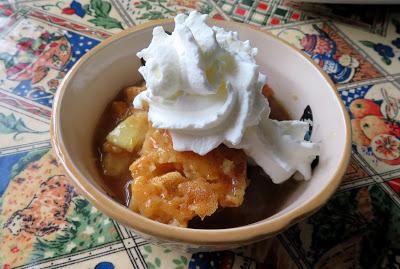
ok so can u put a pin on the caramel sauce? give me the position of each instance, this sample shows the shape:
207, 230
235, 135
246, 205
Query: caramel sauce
262, 197
116, 187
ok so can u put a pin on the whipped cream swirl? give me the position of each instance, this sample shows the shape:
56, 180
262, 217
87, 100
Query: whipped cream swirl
204, 86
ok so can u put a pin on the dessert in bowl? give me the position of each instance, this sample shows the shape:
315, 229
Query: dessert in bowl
181, 141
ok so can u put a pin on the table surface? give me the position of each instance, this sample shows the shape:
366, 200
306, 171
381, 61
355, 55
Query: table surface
358, 228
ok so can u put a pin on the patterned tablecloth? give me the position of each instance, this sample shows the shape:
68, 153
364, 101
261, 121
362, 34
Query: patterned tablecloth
43, 224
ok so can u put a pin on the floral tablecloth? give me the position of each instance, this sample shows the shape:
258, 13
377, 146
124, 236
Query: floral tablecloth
45, 224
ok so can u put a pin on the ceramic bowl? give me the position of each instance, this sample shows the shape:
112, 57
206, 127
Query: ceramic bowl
98, 76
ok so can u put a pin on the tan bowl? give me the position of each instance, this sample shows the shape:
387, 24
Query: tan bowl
96, 79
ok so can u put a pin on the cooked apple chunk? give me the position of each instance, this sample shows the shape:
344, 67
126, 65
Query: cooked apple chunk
115, 164
129, 134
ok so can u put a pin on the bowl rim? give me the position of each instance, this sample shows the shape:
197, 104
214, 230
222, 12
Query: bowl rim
240, 235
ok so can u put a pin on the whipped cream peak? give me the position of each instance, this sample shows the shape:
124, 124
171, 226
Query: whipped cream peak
188, 50
204, 86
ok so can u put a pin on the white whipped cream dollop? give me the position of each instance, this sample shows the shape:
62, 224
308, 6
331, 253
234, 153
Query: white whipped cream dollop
204, 86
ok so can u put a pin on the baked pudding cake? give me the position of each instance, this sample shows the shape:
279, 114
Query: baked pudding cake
179, 144
170, 186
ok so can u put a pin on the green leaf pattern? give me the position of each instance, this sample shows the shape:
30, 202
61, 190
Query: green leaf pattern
157, 261
11, 125
386, 60
367, 43
101, 10
161, 9
159, 257
181, 261
27, 159
107, 23
147, 248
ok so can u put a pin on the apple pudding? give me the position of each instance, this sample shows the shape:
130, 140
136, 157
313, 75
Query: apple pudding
141, 169
179, 144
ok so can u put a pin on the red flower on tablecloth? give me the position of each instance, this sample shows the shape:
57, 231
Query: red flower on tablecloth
25, 44
5, 10
295, 16
275, 21
74, 8
6, 266
68, 11
218, 17
14, 249
46, 35
53, 45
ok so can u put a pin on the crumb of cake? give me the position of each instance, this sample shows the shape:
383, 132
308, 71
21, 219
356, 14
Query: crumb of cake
173, 187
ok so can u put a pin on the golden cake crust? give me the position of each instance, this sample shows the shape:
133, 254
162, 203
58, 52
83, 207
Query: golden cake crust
173, 187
